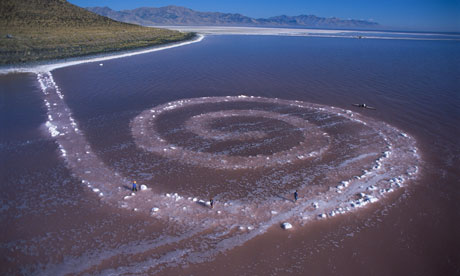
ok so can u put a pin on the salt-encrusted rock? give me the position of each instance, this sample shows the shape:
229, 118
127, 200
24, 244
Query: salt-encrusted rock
371, 188
155, 209
143, 187
286, 225
371, 199
315, 205
250, 228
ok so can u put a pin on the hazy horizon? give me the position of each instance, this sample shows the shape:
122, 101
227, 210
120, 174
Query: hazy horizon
431, 15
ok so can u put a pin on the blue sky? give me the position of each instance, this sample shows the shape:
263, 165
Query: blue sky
443, 15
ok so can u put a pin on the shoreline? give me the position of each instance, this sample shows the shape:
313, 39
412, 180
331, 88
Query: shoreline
50, 66
202, 31
309, 32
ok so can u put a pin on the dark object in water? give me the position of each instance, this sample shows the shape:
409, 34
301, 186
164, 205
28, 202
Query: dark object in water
364, 106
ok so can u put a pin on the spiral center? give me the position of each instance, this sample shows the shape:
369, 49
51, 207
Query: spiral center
229, 139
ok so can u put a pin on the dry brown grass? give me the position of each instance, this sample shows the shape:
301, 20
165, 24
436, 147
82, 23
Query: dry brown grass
55, 29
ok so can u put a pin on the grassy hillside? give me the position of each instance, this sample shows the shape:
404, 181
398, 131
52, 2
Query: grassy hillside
33, 30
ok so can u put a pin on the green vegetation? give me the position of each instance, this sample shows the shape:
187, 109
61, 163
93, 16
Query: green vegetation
35, 30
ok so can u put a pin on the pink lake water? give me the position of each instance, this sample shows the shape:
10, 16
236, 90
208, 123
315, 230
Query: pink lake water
245, 120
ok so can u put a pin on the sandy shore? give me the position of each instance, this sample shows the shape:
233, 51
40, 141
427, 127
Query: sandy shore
374, 34
220, 30
215, 30
50, 66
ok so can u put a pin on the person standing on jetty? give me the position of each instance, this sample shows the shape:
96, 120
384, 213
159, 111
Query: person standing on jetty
134, 186
296, 196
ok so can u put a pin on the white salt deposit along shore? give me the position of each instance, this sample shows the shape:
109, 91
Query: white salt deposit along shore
98, 58
219, 30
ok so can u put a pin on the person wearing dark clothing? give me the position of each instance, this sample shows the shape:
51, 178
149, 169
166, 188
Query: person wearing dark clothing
212, 203
296, 196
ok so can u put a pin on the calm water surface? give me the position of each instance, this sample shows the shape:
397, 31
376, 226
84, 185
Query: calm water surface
52, 224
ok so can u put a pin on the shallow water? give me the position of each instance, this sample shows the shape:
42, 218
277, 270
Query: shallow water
55, 224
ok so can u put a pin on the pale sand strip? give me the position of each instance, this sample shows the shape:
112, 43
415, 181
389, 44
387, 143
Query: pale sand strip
48, 67
374, 34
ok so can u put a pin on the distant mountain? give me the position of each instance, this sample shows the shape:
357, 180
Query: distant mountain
174, 15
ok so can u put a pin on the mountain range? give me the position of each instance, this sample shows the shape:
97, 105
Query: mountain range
174, 15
